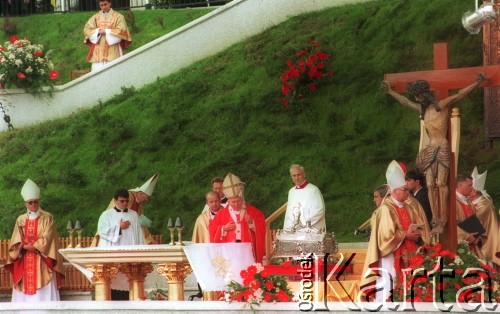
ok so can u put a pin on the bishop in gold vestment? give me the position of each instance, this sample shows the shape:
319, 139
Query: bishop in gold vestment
34, 260
398, 227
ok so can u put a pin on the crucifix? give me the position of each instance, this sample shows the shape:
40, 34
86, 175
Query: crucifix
439, 140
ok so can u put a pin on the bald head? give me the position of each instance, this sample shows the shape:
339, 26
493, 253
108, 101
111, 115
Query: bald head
213, 201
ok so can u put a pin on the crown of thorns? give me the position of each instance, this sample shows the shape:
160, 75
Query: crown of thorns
418, 87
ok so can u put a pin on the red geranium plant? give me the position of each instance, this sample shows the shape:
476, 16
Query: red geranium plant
258, 285
303, 73
440, 275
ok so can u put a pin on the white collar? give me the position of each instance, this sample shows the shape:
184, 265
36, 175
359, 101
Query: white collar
461, 198
398, 203
34, 215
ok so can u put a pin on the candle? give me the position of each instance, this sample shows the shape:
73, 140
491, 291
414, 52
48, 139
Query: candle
78, 226
70, 225
178, 222
170, 223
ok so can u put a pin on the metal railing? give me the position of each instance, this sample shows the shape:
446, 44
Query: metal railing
20, 8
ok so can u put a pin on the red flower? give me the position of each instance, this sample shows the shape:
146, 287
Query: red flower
487, 267
459, 271
269, 285
417, 261
268, 297
2, 48
13, 39
53, 74
314, 43
457, 285
21, 75
247, 294
284, 89
255, 285
446, 253
243, 274
39, 54
428, 297
283, 296
321, 55
440, 286
312, 87
284, 101
265, 273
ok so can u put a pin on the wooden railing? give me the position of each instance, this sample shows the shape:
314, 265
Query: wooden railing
271, 234
74, 279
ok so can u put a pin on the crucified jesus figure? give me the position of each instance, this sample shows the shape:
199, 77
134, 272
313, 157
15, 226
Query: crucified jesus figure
434, 159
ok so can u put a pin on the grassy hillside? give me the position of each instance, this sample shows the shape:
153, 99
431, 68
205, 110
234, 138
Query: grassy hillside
223, 114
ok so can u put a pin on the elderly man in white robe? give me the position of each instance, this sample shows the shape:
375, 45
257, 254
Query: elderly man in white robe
305, 207
119, 226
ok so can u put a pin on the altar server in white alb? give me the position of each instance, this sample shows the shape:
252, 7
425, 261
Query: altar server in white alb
119, 225
34, 260
305, 207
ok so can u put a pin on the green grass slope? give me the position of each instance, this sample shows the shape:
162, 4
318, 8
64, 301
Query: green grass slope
223, 114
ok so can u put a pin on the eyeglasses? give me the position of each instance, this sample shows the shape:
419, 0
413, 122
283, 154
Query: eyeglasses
32, 202
123, 201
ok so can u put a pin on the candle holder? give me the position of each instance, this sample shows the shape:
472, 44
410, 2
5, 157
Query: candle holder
79, 230
171, 227
179, 226
70, 232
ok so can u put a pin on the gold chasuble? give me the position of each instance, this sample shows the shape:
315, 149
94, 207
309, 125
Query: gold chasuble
200, 231
485, 212
103, 51
389, 224
34, 270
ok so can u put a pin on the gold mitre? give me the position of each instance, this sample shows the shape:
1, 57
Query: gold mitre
395, 175
30, 191
149, 186
232, 186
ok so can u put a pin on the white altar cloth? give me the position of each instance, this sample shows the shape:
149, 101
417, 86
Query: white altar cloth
212, 263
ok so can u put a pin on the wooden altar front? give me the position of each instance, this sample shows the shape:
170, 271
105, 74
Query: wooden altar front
101, 265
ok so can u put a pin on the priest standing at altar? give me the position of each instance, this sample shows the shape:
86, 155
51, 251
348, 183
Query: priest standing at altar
34, 260
239, 221
305, 206
119, 226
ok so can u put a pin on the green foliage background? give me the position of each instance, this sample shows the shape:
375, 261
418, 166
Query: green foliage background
223, 114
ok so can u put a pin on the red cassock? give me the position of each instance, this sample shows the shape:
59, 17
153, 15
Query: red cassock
257, 237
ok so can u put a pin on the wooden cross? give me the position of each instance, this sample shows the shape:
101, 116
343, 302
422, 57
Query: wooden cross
441, 81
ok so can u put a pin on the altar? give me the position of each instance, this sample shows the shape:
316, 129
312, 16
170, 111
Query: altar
101, 266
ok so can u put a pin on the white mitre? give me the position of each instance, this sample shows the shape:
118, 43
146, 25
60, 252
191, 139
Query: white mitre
149, 186
395, 175
479, 180
232, 186
30, 191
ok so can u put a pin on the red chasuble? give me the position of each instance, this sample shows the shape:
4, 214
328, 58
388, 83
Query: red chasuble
257, 237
